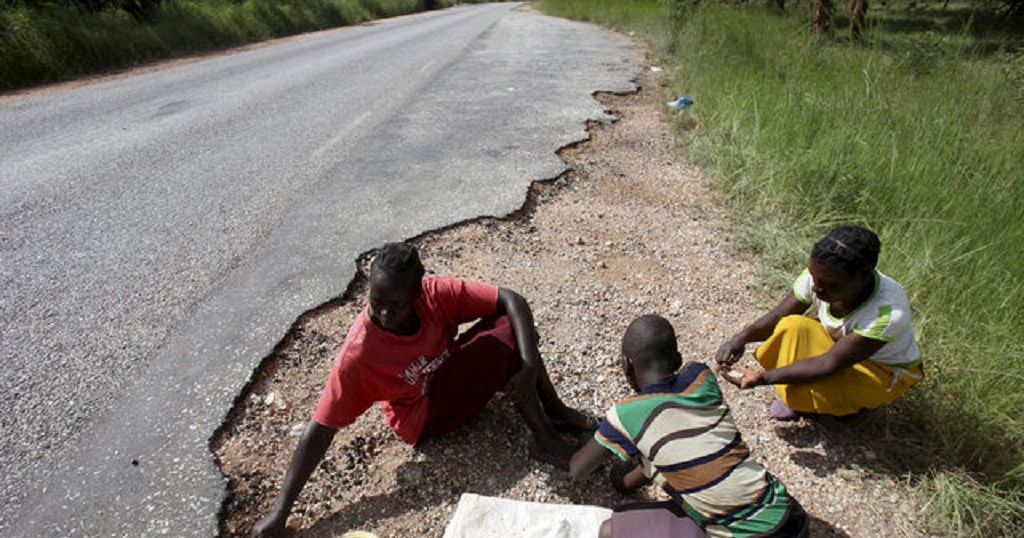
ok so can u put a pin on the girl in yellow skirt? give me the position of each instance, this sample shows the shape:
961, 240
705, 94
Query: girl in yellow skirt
840, 342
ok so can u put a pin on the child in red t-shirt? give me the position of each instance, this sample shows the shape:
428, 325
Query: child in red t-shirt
402, 351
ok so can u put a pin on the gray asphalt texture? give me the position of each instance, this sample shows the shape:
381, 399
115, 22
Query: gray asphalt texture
160, 233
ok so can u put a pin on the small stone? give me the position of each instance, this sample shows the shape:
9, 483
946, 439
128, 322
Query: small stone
410, 474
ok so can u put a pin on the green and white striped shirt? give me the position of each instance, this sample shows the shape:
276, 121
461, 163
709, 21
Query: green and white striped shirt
682, 429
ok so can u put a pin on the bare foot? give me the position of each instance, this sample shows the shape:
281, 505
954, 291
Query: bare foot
558, 453
572, 420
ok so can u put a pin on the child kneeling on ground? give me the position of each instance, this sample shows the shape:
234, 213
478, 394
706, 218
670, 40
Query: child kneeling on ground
679, 426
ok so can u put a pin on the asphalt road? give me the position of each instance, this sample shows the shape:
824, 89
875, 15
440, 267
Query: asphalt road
159, 233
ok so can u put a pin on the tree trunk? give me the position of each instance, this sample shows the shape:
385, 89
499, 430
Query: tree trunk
858, 8
821, 13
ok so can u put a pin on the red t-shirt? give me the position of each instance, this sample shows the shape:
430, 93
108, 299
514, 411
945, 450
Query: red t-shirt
377, 366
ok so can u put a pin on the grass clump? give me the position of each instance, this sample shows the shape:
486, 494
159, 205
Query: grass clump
650, 19
917, 133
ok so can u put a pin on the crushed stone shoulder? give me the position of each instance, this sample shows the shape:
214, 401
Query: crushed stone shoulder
634, 228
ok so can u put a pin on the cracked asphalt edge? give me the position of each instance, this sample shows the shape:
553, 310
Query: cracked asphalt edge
357, 284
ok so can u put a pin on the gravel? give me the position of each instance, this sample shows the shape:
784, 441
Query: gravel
633, 229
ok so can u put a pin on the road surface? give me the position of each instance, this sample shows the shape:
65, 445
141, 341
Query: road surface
159, 233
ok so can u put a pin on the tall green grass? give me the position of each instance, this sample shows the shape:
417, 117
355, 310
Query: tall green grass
52, 43
921, 138
647, 18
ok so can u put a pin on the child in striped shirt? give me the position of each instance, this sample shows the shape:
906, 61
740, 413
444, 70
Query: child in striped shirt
679, 427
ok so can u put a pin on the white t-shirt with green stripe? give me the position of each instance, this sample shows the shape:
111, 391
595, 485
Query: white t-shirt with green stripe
884, 316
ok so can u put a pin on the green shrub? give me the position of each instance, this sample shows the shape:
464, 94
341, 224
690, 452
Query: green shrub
62, 39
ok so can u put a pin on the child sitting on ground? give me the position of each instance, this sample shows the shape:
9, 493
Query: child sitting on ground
405, 352
679, 427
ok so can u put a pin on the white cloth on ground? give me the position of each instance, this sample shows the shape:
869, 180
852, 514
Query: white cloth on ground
478, 516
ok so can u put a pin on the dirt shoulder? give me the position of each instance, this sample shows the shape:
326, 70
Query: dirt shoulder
633, 229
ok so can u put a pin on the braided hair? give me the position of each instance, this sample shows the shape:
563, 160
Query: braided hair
398, 259
851, 249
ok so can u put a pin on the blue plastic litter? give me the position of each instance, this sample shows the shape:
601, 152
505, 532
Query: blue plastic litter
683, 102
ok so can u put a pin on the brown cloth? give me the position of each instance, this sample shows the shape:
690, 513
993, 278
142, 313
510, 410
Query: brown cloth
653, 520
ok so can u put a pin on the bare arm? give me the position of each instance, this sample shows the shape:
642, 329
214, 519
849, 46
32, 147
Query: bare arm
519, 314
587, 459
629, 481
732, 349
518, 311
308, 454
849, 350
625, 476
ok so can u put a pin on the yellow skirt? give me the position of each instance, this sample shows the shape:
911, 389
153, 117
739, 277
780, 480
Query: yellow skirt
865, 385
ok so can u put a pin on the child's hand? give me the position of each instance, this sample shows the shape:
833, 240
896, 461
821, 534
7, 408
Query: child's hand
743, 378
730, 375
751, 378
627, 477
730, 351
270, 526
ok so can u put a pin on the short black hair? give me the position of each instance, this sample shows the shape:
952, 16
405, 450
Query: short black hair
398, 259
852, 249
651, 340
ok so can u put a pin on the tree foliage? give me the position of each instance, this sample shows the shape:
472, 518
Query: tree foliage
1013, 8
140, 10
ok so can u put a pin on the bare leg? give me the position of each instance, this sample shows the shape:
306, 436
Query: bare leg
555, 408
606, 529
550, 446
